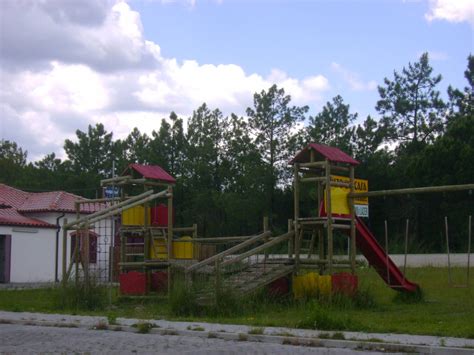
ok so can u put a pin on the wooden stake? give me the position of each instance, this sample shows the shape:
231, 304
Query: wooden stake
406, 250
386, 251
447, 248
469, 247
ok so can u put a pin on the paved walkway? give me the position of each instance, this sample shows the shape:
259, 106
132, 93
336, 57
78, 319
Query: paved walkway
58, 333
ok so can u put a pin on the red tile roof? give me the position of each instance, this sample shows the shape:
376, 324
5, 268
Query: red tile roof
154, 172
11, 217
54, 201
322, 152
11, 197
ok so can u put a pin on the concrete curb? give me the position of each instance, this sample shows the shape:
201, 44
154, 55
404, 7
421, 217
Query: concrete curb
197, 330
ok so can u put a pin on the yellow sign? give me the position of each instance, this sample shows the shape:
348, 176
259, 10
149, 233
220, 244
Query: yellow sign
359, 186
339, 203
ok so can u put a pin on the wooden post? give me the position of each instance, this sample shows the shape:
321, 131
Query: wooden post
147, 244
265, 229
447, 248
329, 216
64, 264
218, 277
123, 246
77, 243
290, 240
170, 223
311, 243
85, 256
196, 248
296, 225
353, 222
170, 235
406, 249
469, 232
386, 251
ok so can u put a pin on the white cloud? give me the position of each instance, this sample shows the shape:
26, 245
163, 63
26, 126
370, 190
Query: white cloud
451, 10
72, 65
352, 79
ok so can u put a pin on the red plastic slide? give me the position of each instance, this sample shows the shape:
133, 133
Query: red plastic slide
380, 261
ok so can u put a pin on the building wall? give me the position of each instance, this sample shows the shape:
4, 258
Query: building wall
32, 254
33, 250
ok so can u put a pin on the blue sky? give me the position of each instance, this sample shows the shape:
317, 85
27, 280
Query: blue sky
129, 63
368, 38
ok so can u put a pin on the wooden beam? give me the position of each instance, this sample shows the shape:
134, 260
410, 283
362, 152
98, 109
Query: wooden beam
262, 247
126, 207
228, 251
114, 179
413, 190
313, 179
108, 209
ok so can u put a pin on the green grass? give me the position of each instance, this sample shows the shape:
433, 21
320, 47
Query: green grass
442, 310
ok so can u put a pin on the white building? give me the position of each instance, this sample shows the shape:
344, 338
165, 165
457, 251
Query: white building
31, 235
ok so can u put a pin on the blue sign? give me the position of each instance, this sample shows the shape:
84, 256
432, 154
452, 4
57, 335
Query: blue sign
111, 191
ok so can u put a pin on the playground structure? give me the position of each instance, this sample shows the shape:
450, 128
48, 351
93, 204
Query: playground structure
147, 250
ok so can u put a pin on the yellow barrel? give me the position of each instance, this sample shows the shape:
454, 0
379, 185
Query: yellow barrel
134, 216
183, 248
311, 284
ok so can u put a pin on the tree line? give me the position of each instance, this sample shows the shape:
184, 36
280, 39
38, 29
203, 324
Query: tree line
232, 170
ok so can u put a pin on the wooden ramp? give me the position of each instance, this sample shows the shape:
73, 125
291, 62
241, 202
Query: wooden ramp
257, 276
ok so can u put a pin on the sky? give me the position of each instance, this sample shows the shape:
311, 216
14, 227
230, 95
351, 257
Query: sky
67, 64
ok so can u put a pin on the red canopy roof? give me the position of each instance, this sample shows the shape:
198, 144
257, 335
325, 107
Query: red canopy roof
154, 172
11, 217
322, 152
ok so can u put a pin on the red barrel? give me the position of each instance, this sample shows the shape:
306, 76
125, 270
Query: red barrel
345, 283
159, 215
280, 287
132, 283
159, 281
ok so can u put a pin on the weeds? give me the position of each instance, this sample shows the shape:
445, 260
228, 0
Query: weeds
80, 296
256, 331
101, 326
112, 318
243, 337
321, 318
410, 297
195, 328
143, 327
